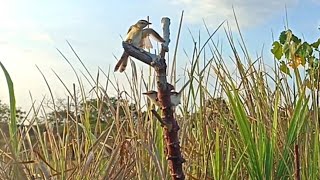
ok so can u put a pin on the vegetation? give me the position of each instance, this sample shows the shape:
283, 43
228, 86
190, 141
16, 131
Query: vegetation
5, 113
247, 123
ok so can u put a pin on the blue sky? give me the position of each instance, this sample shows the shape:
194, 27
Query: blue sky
30, 32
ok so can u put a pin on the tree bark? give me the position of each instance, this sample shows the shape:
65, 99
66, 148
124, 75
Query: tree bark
171, 127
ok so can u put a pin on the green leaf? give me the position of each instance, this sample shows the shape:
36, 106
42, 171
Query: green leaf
316, 44
305, 50
13, 120
277, 50
284, 68
295, 39
283, 37
295, 129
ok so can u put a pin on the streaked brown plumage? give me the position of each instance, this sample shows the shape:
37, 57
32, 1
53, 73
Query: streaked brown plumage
138, 36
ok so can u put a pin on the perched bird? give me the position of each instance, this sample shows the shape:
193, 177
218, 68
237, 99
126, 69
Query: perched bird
138, 36
175, 97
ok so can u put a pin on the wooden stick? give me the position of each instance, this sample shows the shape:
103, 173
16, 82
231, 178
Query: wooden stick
171, 127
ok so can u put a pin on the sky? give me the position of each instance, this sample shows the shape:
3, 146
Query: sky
32, 31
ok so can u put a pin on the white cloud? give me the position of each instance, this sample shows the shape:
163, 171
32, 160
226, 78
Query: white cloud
249, 13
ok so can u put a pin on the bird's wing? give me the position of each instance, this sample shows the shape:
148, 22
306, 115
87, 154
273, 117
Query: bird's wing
149, 31
146, 43
130, 29
127, 39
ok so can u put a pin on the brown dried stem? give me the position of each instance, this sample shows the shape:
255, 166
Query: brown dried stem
171, 127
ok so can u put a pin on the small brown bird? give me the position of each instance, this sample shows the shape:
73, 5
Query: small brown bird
138, 36
175, 97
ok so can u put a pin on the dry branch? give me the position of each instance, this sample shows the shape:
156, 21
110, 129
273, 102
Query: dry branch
171, 127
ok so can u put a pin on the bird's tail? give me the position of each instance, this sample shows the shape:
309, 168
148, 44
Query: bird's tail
122, 63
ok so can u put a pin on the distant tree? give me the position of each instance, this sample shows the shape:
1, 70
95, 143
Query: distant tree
5, 113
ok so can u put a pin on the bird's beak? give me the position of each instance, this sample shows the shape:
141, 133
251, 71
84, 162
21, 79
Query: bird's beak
149, 23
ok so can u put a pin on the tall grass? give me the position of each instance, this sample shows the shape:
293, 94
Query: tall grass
241, 123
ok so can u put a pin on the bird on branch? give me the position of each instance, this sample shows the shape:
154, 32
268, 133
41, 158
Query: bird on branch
138, 36
175, 97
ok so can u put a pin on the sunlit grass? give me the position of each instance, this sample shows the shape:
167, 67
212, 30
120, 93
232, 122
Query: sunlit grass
235, 124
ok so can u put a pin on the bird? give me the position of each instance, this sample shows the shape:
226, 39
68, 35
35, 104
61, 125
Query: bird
175, 97
137, 36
